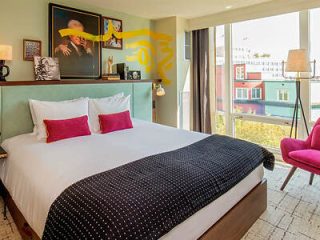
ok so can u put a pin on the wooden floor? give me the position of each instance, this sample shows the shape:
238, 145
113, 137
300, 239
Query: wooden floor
292, 215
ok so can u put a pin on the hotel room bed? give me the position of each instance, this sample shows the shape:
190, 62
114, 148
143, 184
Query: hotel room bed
36, 173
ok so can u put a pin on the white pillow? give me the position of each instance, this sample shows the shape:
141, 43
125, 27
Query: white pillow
41, 110
106, 106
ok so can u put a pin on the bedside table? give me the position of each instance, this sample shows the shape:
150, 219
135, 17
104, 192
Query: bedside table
3, 155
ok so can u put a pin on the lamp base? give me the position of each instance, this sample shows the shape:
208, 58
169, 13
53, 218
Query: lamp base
3, 66
295, 118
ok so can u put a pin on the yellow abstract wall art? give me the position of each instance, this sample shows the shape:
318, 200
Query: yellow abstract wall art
144, 51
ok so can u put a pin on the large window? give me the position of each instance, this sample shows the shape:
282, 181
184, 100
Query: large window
315, 55
258, 49
220, 80
249, 59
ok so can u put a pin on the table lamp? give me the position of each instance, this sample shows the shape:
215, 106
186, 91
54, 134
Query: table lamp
5, 54
298, 62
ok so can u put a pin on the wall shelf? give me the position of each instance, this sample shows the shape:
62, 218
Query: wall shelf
74, 81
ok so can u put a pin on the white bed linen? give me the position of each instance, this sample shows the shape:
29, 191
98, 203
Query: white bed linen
36, 173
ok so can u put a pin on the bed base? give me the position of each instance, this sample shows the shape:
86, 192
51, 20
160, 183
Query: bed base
232, 226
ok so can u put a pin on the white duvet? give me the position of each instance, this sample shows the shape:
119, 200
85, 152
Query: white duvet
36, 173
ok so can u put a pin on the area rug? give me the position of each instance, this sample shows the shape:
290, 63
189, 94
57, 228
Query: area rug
293, 214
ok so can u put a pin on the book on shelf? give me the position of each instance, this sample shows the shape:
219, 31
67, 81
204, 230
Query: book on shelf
113, 76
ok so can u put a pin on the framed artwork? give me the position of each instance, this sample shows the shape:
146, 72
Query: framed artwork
78, 56
113, 43
134, 75
46, 68
31, 49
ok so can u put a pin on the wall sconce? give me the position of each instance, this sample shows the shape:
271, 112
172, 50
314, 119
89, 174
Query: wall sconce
159, 89
5, 54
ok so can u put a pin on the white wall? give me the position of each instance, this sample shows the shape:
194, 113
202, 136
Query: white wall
267, 9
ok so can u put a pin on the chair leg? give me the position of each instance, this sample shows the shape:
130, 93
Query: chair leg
311, 178
293, 169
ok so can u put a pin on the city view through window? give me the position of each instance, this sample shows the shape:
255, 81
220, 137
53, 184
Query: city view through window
258, 87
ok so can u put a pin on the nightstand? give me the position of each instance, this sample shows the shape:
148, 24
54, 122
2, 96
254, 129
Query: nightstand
3, 156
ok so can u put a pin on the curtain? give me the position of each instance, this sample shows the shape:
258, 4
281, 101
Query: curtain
200, 81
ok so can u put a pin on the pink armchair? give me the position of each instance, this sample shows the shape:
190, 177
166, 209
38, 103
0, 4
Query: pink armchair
303, 154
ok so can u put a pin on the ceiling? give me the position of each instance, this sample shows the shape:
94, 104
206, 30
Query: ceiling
155, 9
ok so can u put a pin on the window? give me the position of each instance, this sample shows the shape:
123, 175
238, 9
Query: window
257, 45
240, 72
249, 59
220, 119
253, 132
241, 93
283, 95
315, 55
220, 68
187, 45
256, 93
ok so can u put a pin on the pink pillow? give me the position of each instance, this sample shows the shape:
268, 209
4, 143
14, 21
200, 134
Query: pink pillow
67, 128
114, 122
315, 142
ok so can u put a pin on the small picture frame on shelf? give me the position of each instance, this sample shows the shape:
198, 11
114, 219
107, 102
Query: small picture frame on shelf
31, 49
46, 68
134, 75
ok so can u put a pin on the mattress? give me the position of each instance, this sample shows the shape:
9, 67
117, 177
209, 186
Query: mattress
36, 173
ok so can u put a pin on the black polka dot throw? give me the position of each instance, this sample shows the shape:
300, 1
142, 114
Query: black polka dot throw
145, 199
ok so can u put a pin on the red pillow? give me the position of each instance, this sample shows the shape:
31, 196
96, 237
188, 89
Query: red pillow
67, 128
114, 122
315, 142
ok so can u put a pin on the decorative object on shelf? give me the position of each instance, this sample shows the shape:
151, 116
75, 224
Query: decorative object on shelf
31, 49
159, 89
5, 55
134, 75
112, 76
46, 68
78, 57
298, 62
121, 69
109, 63
112, 25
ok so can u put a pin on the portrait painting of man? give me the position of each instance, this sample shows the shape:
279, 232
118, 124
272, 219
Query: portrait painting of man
79, 57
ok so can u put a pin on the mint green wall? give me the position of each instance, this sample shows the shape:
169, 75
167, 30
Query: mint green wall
272, 87
271, 91
16, 117
21, 19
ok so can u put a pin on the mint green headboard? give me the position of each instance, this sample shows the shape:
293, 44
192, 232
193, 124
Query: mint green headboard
15, 112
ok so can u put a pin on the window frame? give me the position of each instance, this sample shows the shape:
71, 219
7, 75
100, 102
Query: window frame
282, 92
242, 98
260, 94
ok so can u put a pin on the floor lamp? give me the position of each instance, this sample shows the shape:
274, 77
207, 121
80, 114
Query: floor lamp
298, 62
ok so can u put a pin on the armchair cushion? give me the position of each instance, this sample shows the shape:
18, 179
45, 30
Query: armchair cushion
289, 145
315, 141
310, 157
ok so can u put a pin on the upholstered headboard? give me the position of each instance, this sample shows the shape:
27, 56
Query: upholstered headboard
15, 113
